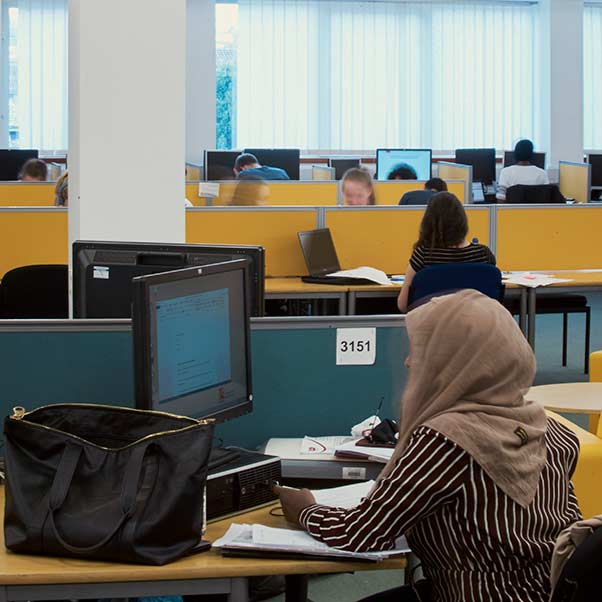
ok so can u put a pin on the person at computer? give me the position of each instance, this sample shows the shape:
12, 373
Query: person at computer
442, 239
523, 172
480, 480
34, 170
61, 190
422, 197
247, 166
357, 187
402, 171
250, 191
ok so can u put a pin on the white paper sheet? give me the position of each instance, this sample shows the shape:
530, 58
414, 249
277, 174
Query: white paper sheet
347, 496
321, 445
529, 280
208, 189
377, 454
366, 273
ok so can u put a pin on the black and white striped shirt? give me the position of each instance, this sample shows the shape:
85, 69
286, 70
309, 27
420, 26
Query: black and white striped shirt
476, 544
473, 253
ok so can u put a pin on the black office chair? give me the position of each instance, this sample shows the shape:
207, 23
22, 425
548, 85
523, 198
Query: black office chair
450, 277
580, 577
35, 291
544, 193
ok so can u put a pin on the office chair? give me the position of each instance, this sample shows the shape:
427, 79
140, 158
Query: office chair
449, 277
580, 577
544, 193
35, 291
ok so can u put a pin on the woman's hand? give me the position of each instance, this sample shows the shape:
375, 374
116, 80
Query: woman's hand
293, 501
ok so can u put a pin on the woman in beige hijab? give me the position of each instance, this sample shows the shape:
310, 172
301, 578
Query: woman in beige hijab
480, 479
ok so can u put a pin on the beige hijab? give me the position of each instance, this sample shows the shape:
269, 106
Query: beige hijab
470, 367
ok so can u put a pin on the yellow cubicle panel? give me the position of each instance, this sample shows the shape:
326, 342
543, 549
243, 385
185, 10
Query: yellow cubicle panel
286, 193
383, 238
26, 194
192, 194
32, 236
274, 229
456, 171
574, 180
193, 172
549, 238
390, 192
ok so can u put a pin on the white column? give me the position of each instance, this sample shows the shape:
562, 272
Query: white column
200, 79
562, 79
127, 120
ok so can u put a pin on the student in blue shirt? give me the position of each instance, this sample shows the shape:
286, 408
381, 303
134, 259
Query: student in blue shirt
247, 167
422, 197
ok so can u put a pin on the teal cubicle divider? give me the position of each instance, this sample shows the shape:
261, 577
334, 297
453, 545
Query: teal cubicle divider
298, 388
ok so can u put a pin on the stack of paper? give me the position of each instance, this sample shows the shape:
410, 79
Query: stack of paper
532, 280
376, 454
364, 273
347, 496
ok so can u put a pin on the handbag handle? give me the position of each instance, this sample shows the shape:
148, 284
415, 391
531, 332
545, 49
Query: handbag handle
62, 482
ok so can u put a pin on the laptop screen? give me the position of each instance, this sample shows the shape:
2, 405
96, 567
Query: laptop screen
319, 252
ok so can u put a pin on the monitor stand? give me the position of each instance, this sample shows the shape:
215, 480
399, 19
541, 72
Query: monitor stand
222, 455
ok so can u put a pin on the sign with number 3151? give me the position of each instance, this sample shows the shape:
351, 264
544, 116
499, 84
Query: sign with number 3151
356, 346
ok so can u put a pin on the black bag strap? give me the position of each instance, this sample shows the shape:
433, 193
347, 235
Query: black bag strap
64, 477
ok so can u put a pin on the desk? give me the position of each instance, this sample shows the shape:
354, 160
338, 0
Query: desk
41, 578
295, 288
368, 291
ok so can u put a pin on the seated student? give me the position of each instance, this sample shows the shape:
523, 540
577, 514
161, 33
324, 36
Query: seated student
357, 187
402, 171
522, 173
61, 191
34, 170
250, 191
480, 480
422, 197
246, 166
442, 239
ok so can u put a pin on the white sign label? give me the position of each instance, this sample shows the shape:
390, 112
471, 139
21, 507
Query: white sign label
356, 346
354, 473
101, 272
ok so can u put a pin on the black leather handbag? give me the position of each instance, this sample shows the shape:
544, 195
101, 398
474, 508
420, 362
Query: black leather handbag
91, 481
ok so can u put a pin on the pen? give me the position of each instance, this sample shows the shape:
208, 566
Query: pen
380, 405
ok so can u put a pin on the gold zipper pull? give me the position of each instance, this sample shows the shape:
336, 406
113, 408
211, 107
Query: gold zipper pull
18, 413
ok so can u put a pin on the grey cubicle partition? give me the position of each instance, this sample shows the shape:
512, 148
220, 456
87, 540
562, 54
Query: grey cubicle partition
298, 388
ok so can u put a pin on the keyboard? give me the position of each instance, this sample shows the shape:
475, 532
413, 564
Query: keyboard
337, 280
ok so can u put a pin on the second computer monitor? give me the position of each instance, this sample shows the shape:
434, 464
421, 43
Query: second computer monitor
11, 162
390, 160
482, 161
538, 159
342, 165
596, 162
219, 164
283, 158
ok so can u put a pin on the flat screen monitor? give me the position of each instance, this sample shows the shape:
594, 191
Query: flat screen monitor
103, 272
342, 165
191, 341
482, 161
219, 165
11, 162
538, 159
390, 159
284, 158
596, 170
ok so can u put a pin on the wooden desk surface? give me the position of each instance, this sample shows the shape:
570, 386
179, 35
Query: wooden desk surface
581, 398
296, 285
577, 278
376, 288
20, 569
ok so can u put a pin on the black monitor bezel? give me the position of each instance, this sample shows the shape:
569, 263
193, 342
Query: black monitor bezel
592, 172
94, 245
325, 271
429, 150
477, 150
258, 152
334, 162
21, 156
509, 154
141, 333
207, 163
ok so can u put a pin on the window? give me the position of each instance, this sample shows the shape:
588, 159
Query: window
592, 67
357, 75
226, 44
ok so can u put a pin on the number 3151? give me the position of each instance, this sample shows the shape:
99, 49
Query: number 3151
359, 346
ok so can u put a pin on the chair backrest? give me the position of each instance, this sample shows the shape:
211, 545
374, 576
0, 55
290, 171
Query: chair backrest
448, 277
580, 577
35, 291
543, 193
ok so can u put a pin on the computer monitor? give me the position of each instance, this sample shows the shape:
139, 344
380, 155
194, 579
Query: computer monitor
219, 164
192, 343
319, 252
596, 169
342, 165
11, 162
284, 158
482, 161
390, 159
538, 159
103, 272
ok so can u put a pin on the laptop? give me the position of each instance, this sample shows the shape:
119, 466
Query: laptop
321, 259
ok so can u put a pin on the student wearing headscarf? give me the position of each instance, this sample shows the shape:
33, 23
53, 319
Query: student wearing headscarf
480, 481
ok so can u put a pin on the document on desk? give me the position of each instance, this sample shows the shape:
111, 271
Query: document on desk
288, 541
376, 454
346, 496
321, 445
529, 280
365, 273
208, 189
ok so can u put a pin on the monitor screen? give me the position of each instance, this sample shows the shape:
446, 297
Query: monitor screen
538, 159
388, 160
482, 161
191, 341
219, 165
342, 165
11, 162
596, 170
283, 158
319, 252
103, 272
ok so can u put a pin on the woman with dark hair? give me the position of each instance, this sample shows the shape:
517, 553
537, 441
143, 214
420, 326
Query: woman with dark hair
442, 239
